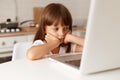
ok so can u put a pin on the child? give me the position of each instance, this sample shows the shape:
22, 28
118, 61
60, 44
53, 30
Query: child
54, 33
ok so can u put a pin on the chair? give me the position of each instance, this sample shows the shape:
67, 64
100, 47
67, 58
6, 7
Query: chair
20, 49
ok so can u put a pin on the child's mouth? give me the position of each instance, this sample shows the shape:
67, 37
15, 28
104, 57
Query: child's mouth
61, 40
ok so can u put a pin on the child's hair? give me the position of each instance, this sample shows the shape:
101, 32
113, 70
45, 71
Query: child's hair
53, 14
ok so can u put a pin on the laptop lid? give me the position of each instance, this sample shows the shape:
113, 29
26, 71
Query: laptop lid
102, 42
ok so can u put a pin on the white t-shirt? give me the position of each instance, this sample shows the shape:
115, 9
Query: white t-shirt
61, 51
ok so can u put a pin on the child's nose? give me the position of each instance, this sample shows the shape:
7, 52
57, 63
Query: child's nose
61, 34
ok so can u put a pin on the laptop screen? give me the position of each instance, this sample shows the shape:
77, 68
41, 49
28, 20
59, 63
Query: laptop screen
102, 42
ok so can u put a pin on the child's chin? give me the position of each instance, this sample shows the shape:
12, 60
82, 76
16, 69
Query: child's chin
63, 44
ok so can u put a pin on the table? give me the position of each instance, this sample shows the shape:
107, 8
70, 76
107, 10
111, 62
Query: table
49, 69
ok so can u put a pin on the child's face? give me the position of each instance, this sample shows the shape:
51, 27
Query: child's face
58, 31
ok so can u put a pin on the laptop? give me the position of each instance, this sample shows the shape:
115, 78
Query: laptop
101, 50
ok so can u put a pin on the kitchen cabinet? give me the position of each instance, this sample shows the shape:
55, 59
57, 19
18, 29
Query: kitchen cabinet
79, 31
7, 40
7, 43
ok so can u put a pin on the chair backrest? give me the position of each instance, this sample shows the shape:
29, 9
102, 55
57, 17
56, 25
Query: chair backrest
20, 49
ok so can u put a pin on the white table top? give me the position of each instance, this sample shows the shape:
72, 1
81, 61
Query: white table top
48, 69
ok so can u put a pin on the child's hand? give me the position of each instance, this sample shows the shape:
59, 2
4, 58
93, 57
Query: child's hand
54, 41
67, 37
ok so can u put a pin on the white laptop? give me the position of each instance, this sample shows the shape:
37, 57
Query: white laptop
102, 41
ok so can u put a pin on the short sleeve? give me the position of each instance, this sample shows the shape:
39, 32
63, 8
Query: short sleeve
37, 42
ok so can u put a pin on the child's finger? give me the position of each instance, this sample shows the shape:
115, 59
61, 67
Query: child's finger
51, 36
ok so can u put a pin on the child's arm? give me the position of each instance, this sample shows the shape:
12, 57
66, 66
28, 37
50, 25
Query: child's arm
37, 52
76, 40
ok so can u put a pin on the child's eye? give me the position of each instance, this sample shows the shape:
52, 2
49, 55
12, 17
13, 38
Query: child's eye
55, 29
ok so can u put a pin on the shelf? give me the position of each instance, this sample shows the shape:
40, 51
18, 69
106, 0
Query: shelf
24, 31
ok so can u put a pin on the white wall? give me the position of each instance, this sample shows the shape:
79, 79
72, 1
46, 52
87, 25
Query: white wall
78, 8
7, 10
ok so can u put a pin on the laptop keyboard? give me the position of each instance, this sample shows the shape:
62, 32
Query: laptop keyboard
74, 63
70, 59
